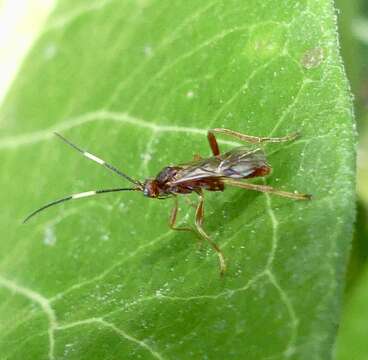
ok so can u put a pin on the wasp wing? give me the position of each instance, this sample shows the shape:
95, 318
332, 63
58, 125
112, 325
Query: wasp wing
241, 163
238, 163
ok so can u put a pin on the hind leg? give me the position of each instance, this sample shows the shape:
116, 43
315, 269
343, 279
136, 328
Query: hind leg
267, 189
213, 143
246, 138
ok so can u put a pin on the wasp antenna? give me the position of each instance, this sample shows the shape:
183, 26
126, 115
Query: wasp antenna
99, 161
75, 197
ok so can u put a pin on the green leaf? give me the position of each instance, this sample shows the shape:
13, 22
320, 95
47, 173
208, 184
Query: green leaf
138, 84
352, 339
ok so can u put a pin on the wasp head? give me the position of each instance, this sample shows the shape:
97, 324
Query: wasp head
151, 189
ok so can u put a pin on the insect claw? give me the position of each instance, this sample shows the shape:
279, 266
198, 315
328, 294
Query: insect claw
302, 196
222, 265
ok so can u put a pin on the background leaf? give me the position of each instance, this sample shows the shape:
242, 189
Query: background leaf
352, 330
138, 83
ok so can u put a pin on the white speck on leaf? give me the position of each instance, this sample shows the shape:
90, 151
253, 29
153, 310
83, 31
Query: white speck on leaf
290, 351
312, 58
50, 237
148, 51
146, 157
105, 237
190, 94
50, 51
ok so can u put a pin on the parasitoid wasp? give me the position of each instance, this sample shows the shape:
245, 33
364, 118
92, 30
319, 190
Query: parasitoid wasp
211, 174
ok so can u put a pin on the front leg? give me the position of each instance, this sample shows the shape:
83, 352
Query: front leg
173, 215
199, 222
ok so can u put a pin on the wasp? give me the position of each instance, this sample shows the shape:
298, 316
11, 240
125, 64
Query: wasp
212, 174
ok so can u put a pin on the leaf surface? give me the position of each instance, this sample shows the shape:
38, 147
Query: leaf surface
138, 84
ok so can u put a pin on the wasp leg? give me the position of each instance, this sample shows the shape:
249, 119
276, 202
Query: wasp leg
199, 222
197, 157
173, 215
252, 139
268, 189
213, 143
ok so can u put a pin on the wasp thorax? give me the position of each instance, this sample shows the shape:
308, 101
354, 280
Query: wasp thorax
151, 188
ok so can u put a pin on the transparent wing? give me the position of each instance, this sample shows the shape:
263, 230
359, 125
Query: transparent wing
238, 163
196, 170
242, 162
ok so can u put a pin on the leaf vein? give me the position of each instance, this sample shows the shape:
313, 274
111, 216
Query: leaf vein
119, 331
13, 142
40, 300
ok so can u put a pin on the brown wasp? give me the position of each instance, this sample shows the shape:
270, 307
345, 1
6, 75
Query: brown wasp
211, 174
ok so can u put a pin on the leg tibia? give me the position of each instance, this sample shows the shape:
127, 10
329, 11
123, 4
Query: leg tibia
254, 139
